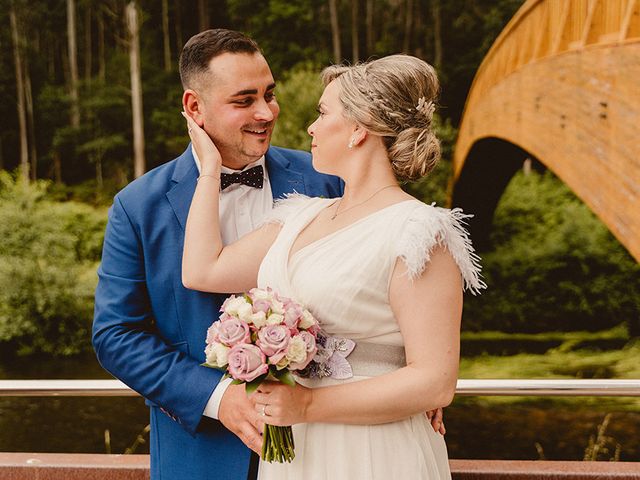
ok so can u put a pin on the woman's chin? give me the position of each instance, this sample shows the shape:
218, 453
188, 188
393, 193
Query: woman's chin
317, 165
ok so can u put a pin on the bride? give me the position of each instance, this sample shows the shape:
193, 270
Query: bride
375, 266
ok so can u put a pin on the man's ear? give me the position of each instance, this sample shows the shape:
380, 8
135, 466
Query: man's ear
193, 106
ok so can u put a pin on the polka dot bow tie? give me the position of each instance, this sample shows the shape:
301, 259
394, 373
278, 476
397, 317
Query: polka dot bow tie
252, 178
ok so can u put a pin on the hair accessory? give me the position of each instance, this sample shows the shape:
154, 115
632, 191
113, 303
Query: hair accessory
424, 107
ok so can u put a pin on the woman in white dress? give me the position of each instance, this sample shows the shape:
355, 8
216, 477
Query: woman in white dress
376, 266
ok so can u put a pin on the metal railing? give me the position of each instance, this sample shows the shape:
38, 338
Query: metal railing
465, 387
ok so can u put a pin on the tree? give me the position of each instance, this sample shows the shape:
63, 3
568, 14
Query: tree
437, 34
136, 89
369, 27
22, 116
165, 35
355, 47
203, 15
335, 31
408, 25
73, 63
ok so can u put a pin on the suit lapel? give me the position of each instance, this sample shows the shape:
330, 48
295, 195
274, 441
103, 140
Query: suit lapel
281, 176
184, 185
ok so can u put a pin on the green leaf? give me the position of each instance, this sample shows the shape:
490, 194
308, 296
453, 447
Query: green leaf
252, 386
286, 377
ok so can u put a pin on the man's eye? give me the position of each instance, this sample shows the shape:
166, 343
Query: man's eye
244, 102
270, 96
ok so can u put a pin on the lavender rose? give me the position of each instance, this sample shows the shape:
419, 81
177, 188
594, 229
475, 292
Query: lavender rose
233, 331
273, 340
246, 362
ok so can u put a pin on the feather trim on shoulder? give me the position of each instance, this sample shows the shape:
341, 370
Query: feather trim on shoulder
430, 226
283, 208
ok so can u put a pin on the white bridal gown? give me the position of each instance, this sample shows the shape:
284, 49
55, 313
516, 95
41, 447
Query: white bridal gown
343, 279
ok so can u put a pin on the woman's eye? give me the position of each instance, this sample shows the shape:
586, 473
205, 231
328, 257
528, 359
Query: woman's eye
320, 112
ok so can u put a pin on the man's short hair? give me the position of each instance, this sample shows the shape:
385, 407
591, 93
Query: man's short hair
201, 48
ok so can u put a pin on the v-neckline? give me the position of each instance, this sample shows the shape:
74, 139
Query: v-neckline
290, 256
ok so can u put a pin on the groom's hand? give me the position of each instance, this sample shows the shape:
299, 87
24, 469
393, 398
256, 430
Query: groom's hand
435, 418
237, 413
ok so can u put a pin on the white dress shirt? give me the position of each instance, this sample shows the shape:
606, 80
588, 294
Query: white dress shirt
242, 209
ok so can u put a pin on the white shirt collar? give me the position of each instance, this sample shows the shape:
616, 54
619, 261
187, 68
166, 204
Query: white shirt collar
260, 161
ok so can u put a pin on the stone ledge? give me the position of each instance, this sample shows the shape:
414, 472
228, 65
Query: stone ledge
81, 466
543, 470
73, 466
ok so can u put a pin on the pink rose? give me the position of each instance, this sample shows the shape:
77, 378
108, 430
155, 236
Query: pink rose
261, 306
309, 342
246, 362
292, 315
212, 333
233, 331
273, 339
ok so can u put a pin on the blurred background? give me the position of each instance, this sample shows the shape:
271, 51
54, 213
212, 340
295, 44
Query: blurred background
563, 298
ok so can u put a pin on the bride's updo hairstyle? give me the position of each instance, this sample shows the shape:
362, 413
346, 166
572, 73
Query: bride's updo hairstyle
393, 97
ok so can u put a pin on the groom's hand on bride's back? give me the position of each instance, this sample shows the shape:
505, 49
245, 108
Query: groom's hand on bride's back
435, 417
237, 414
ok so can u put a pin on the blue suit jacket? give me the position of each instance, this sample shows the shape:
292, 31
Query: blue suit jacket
149, 331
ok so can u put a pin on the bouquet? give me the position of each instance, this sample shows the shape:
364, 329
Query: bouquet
262, 335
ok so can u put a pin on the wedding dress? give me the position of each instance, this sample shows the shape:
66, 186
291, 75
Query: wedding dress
343, 279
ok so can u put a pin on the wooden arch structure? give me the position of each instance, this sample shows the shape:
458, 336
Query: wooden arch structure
560, 85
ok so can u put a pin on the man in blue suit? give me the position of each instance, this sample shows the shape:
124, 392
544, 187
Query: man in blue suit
149, 331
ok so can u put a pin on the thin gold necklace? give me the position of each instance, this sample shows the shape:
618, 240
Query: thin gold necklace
358, 204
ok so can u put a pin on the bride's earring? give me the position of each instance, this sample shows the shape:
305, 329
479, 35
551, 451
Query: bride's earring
351, 142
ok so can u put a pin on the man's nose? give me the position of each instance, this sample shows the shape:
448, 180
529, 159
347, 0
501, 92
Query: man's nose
263, 112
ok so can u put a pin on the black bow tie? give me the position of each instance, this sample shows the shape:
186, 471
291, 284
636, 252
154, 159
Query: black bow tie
252, 178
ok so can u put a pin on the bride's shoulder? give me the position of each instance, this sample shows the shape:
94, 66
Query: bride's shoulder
290, 205
425, 227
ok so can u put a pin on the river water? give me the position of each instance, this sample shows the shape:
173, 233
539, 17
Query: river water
476, 428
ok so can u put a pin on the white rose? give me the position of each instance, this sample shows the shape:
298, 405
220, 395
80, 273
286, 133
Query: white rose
283, 363
277, 307
259, 294
245, 312
259, 319
275, 319
297, 352
233, 305
307, 320
217, 354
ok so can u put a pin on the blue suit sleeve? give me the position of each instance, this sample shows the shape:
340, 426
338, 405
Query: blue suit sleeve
125, 339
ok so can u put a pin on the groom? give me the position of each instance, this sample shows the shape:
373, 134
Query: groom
149, 331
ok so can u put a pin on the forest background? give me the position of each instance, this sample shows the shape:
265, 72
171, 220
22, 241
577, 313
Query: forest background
90, 98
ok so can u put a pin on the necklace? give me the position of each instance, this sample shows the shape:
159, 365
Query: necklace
358, 204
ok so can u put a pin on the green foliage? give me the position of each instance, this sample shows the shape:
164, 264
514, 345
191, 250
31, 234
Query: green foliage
48, 259
298, 94
554, 265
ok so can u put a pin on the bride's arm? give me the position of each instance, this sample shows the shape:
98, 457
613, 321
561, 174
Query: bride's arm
428, 311
207, 265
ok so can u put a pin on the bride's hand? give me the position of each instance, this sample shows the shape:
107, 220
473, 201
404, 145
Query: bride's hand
208, 153
281, 405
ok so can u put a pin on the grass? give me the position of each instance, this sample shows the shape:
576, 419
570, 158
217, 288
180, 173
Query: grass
568, 360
